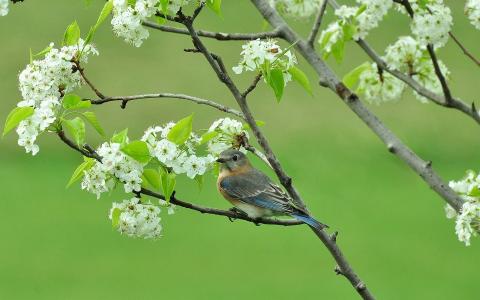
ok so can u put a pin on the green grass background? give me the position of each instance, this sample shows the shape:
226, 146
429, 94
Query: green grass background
58, 243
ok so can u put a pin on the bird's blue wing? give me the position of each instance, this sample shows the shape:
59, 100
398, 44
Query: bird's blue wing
257, 189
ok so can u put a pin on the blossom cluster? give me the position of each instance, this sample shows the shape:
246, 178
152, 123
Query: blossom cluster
472, 10
182, 159
354, 22
432, 24
136, 219
297, 8
114, 167
42, 85
259, 56
407, 56
228, 131
467, 222
127, 18
378, 86
3, 7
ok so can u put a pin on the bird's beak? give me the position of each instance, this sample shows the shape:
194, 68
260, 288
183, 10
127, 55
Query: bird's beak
221, 160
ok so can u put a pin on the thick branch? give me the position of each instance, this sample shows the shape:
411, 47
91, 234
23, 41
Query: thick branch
394, 144
221, 36
193, 99
316, 25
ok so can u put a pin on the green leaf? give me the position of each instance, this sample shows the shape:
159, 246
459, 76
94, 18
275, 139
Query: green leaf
349, 31
167, 183
208, 136
301, 78
258, 122
325, 39
120, 138
17, 115
361, 9
76, 128
91, 118
137, 150
79, 171
181, 131
106, 10
164, 6
200, 180
215, 5
152, 177
351, 78
276, 82
41, 53
338, 50
116, 216
72, 101
72, 34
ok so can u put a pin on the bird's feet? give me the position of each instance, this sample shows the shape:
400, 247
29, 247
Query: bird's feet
237, 211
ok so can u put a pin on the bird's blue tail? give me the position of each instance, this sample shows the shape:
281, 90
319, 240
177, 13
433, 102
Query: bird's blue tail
310, 221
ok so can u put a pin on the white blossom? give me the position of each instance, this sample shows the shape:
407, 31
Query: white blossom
258, 54
297, 8
137, 219
42, 84
472, 10
404, 54
3, 7
330, 36
467, 222
379, 87
227, 132
426, 76
371, 17
431, 26
115, 166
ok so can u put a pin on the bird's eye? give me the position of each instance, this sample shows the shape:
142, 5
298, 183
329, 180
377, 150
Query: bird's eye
235, 157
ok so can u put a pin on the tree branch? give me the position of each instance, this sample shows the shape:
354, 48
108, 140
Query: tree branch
220, 36
394, 144
440, 76
316, 25
464, 49
252, 86
90, 84
193, 99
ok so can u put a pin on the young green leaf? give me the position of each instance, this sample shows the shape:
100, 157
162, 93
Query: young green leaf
164, 6
276, 82
72, 101
167, 182
106, 10
215, 5
116, 217
76, 128
338, 50
92, 119
351, 78
325, 39
137, 150
258, 122
301, 78
120, 138
43, 52
361, 9
207, 137
17, 115
349, 30
181, 131
152, 177
72, 34
79, 171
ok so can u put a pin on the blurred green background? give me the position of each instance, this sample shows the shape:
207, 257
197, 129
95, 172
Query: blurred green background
59, 244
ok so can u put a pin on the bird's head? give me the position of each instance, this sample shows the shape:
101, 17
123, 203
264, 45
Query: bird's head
233, 160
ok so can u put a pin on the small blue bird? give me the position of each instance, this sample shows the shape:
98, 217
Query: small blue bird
253, 193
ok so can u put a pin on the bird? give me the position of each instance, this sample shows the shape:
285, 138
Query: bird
253, 193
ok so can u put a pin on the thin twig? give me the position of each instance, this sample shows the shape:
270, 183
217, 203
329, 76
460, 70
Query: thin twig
193, 99
464, 49
71, 144
220, 36
90, 84
252, 86
316, 25
440, 76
